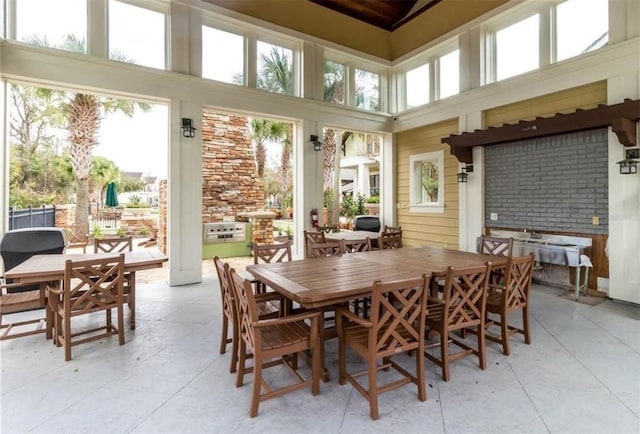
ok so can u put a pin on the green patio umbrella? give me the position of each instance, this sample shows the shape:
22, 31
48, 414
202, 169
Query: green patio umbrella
111, 199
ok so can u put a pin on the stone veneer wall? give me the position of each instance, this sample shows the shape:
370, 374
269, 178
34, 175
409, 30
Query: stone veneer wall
230, 185
262, 223
162, 218
65, 215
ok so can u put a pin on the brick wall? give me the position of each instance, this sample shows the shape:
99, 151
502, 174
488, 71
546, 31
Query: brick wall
554, 183
65, 215
230, 185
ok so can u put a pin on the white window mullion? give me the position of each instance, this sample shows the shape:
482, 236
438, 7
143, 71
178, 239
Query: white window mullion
251, 61
547, 37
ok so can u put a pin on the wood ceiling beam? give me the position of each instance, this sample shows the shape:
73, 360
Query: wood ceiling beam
621, 117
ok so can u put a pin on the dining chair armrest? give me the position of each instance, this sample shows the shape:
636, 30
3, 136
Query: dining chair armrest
4, 286
312, 314
268, 296
342, 311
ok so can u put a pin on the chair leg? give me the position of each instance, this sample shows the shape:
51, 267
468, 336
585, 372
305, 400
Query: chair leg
132, 301
242, 352
482, 353
67, 339
234, 347
257, 385
223, 334
373, 389
422, 390
504, 331
444, 354
121, 324
525, 324
315, 371
342, 363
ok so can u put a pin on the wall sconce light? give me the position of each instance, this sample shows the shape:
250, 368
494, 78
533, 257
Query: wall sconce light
188, 130
463, 174
629, 165
317, 144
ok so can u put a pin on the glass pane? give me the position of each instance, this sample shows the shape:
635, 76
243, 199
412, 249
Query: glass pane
517, 48
275, 70
45, 23
450, 74
429, 177
136, 35
418, 86
582, 26
222, 56
367, 90
334, 82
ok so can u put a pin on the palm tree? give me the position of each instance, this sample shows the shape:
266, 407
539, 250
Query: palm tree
83, 114
261, 131
334, 82
276, 73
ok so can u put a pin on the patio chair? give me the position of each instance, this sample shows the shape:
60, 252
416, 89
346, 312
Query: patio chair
119, 245
328, 248
510, 297
77, 236
359, 246
229, 313
329, 229
463, 305
312, 237
396, 325
494, 246
274, 339
18, 302
89, 286
390, 240
387, 228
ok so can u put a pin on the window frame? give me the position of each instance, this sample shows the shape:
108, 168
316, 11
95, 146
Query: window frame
415, 184
290, 44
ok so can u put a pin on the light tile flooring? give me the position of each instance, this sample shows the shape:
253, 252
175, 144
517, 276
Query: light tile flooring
581, 374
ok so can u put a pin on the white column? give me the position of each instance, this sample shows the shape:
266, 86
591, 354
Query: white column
307, 184
184, 237
471, 193
4, 161
362, 185
387, 181
185, 40
624, 206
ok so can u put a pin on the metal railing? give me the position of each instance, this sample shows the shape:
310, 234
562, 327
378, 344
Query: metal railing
44, 216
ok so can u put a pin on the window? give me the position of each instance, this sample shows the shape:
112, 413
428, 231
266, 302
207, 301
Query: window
275, 68
417, 86
334, 82
222, 56
40, 22
367, 90
426, 182
449, 75
374, 184
581, 26
517, 48
137, 35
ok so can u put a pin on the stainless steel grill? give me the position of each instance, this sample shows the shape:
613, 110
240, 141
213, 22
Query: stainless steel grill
224, 232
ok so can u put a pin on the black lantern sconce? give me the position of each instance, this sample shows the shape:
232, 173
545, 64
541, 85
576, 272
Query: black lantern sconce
629, 165
188, 130
464, 171
317, 144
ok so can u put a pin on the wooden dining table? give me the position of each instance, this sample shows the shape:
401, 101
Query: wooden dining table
49, 268
353, 237
332, 280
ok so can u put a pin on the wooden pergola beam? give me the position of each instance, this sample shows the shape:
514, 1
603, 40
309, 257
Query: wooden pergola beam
621, 117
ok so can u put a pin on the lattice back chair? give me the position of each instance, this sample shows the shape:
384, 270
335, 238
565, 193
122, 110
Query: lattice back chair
495, 246
390, 240
89, 286
387, 228
463, 305
312, 237
328, 248
78, 236
510, 297
359, 246
396, 325
17, 302
268, 253
274, 339
120, 245
329, 229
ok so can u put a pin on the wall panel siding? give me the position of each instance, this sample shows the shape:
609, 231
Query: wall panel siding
427, 228
566, 101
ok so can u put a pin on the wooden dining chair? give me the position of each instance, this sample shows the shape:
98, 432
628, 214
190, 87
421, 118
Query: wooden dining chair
328, 248
88, 286
509, 297
276, 252
120, 245
495, 246
268, 307
329, 229
396, 325
13, 302
359, 246
312, 237
276, 338
390, 240
463, 305
387, 228
78, 236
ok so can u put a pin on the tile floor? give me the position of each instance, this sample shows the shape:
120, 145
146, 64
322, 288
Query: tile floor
580, 375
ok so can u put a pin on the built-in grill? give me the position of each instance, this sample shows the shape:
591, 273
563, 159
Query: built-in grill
552, 249
19, 245
224, 232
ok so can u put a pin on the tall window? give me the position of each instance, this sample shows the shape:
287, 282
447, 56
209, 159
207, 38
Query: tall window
581, 26
517, 48
367, 90
417, 86
222, 56
449, 75
334, 82
275, 68
137, 35
426, 182
45, 23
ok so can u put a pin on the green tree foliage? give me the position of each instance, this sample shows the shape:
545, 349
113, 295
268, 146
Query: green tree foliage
276, 72
263, 130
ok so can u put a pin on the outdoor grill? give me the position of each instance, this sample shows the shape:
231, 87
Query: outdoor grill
19, 245
369, 223
224, 232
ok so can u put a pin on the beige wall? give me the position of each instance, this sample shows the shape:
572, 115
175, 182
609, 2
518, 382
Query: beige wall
427, 228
